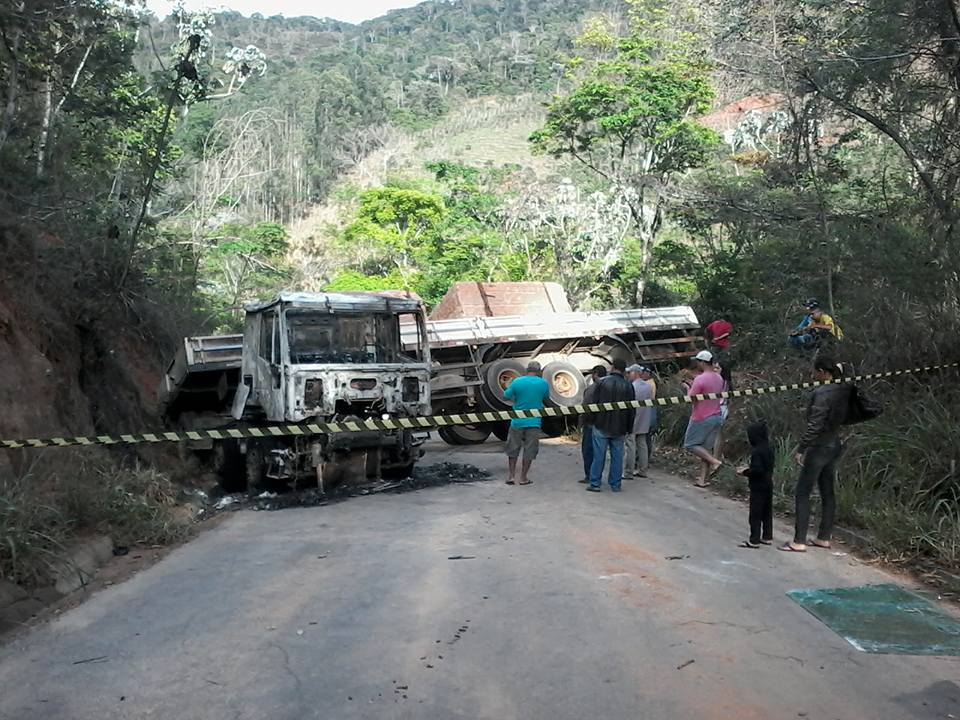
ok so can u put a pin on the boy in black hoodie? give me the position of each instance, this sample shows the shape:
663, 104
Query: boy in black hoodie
759, 474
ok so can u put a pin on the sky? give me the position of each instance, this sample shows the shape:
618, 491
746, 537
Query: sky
354, 11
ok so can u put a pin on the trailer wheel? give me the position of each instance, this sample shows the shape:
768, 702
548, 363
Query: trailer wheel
566, 384
497, 376
463, 434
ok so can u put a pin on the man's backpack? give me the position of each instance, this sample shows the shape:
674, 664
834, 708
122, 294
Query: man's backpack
861, 407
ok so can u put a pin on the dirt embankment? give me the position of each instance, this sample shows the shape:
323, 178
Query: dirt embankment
72, 364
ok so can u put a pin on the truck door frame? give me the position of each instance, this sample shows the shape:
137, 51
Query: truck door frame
270, 380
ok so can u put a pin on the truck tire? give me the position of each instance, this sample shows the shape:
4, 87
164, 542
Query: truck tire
228, 461
497, 376
566, 382
463, 434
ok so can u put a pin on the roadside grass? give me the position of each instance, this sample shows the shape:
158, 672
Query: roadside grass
38, 522
33, 531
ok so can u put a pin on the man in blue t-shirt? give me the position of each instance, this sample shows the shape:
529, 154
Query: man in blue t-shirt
528, 392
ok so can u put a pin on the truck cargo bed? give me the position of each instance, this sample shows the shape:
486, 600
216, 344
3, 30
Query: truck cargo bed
655, 329
204, 372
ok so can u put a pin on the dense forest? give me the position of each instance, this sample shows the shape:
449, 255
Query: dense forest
737, 155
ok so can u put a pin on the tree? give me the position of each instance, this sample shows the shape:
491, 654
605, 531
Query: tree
630, 117
245, 261
393, 222
892, 65
193, 80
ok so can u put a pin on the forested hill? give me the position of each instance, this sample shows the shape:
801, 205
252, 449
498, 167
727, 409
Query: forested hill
735, 155
331, 81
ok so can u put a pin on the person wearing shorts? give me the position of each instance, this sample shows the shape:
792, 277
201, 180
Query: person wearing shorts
706, 417
529, 392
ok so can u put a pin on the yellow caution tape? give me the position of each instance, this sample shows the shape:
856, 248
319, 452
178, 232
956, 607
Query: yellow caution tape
427, 422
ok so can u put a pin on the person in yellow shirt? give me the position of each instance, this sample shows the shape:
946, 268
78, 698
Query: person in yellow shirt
815, 327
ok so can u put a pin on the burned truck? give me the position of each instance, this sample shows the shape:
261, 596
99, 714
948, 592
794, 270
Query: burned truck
305, 357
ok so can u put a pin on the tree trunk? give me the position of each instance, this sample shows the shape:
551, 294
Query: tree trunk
47, 92
13, 90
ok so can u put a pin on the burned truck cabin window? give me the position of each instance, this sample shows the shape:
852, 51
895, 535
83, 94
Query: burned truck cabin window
342, 338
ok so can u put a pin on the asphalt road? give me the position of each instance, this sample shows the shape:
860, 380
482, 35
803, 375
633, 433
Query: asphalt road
564, 606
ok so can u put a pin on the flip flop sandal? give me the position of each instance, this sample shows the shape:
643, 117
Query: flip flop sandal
748, 544
510, 482
787, 547
766, 542
820, 544
701, 485
528, 482
714, 471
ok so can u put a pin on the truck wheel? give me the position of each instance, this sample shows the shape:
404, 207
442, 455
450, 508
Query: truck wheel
463, 434
497, 376
566, 382
500, 430
229, 466
554, 427
254, 467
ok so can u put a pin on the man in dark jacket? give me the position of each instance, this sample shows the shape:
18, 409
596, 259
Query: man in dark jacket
759, 474
598, 373
611, 427
818, 452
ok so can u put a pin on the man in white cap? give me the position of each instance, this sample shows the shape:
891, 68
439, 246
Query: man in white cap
635, 449
705, 418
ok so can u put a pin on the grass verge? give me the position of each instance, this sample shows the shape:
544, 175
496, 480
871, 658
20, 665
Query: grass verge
40, 520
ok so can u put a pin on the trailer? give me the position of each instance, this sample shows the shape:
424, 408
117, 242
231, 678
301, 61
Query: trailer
476, 357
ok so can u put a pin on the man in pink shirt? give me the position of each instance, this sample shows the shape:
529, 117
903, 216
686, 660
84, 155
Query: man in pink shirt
706, 417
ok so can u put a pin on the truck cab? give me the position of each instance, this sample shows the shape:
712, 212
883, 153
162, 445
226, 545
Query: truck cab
323, 357
333, 356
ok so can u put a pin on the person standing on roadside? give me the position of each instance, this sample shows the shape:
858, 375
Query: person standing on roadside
705, 418
646, 374
818, 452
598, 373
610, 427
529, 392
759, 474
636, 452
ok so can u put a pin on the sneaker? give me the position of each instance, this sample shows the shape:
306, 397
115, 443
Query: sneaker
583, 482
639, 474
615, 489
591, 488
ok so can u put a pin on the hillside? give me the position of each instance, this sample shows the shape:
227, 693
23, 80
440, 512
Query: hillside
330, 82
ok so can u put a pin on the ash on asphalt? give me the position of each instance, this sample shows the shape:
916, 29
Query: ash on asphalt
428, 476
